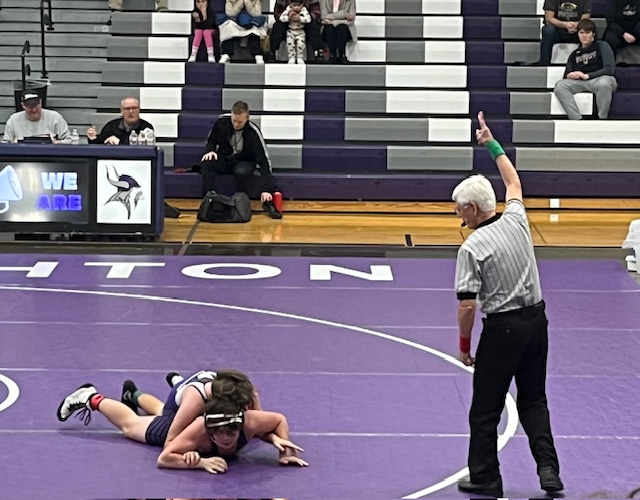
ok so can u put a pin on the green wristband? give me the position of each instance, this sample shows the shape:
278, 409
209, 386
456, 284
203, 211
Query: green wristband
494, 148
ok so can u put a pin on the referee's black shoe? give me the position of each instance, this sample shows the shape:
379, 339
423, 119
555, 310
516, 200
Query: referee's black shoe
550, 480
490, 489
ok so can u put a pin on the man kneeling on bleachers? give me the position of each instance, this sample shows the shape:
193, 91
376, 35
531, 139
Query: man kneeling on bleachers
590, 68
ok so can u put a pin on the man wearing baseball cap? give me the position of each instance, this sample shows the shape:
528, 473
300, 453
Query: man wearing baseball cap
35, 121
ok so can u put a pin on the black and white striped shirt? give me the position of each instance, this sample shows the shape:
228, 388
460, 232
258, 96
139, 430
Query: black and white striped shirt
496, 264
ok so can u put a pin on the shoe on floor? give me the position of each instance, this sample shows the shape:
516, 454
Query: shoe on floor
550, 480
224, 59
128, 390
173, 379
490, 489
271, 209
76, 401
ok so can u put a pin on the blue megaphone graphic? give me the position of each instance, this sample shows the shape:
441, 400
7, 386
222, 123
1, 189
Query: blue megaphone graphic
10, 188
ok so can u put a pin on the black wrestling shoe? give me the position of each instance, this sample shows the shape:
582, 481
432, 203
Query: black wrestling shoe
128, 390
490, 489
550, 480
173, 378
271, 209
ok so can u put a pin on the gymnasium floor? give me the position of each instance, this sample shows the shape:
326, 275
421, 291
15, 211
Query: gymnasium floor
352, 342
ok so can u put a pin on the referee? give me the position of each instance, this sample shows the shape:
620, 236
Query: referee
496, 268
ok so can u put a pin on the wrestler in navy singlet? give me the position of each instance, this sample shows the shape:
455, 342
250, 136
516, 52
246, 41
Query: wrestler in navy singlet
213, 452
158, 429
197, 380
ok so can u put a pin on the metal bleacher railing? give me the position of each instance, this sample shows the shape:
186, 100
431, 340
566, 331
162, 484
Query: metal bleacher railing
46, 20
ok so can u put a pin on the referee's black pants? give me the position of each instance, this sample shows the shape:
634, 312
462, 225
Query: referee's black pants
513, 344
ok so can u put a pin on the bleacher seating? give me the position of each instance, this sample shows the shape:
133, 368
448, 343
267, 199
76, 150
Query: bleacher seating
394, 124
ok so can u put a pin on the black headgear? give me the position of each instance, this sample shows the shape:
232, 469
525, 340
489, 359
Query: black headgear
213, 420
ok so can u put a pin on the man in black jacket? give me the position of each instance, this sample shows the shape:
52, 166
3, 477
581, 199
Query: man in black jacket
590, 68
623, 24
118, 131
235, 146
560, 25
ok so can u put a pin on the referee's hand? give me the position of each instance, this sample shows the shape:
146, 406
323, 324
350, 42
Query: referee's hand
466, 359
483, 134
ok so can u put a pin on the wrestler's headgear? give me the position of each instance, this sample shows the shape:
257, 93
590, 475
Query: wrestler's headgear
215, 420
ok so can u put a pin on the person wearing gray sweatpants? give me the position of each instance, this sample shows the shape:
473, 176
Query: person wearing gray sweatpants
590, 68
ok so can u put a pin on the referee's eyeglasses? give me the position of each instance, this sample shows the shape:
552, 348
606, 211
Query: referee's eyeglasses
459, 209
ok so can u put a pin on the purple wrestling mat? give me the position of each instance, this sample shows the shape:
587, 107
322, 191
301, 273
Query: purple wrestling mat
354, 351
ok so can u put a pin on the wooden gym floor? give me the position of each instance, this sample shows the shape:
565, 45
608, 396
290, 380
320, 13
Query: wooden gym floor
588, 223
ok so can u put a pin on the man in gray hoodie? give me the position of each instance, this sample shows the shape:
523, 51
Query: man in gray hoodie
36, 121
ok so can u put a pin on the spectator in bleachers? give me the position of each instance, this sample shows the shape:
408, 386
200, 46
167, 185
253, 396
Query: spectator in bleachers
297, 15
312, 30
246, 13
590, 68
242, 20
561, 20
35, 121
235, 146
623, 24
338, 27
204, 27
117, 131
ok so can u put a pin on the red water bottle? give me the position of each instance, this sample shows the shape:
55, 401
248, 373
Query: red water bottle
277, 200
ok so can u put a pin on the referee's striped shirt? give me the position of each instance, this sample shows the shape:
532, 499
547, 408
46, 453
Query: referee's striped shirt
496, 264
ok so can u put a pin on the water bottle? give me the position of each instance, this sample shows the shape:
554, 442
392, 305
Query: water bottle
151, 138
142, 138
75, 138
277, 200
133, 138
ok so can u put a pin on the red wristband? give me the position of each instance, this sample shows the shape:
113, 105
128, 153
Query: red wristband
465, 344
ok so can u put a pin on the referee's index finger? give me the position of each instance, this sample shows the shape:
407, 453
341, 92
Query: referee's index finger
481, 121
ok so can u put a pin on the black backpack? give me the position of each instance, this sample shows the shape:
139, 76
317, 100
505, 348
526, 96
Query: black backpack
220, 208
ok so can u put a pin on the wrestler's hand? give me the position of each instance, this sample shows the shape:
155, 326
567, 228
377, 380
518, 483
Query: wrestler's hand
191, 458
284, 445
292, 460
214, 465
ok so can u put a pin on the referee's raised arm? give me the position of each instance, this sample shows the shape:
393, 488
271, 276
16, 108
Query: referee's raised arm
507, 170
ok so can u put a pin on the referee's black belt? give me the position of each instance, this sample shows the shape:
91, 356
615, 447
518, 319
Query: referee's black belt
522, 312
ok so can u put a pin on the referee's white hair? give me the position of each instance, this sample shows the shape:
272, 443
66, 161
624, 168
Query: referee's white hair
476, 189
